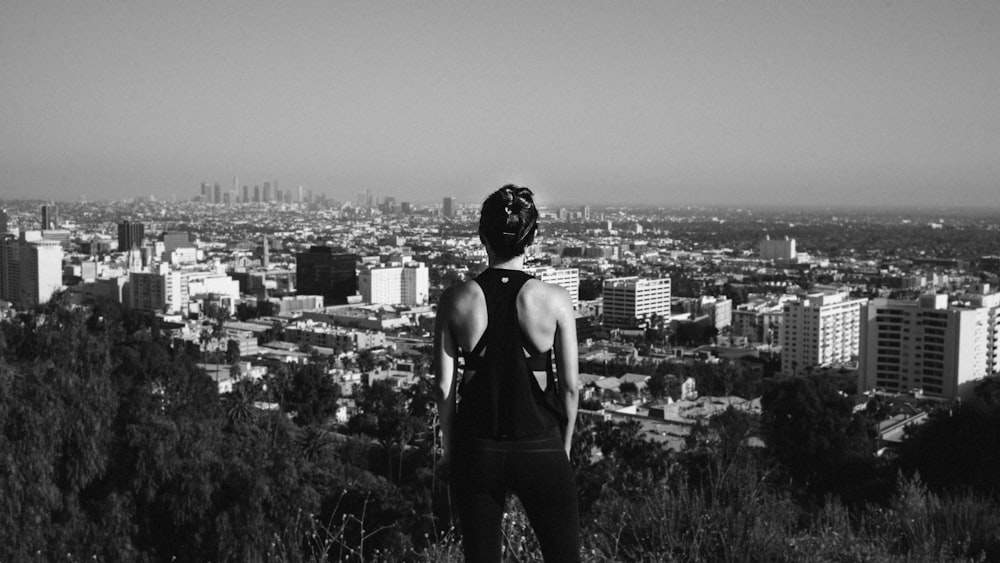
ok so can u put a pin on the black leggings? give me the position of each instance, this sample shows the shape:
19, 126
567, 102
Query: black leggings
538, 472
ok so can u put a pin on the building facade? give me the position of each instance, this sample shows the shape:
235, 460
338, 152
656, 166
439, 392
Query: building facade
130, 235
630, 302
321, 271
777, 249
30, 269
923, 345
820, 330
394, 284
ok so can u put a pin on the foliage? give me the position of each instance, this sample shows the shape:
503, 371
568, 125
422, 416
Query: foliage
114, 446
810, 429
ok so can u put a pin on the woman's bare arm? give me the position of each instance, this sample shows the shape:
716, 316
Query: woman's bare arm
445, 368
567, 366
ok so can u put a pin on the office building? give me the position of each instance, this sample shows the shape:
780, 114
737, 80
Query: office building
217, 190
267, 192
630, 302
30, 269
4, 221
246, 194
778, 249
567, 278
819, 330
130, 235
448, 208
321, 271
50, 217
394, 284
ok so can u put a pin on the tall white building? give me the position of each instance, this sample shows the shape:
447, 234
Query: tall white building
778, 249
566, 278
821, 329
394, 284
30, 269
923, 344
630, 302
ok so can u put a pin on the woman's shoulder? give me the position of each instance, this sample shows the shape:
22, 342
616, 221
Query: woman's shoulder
545, 294
460, 296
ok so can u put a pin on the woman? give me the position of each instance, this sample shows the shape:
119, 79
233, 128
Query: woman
506, 416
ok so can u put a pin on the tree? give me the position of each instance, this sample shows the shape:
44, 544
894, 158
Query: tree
809, 427
657, 385
312, 395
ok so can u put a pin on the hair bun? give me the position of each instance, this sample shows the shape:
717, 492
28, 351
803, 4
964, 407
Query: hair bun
517, 198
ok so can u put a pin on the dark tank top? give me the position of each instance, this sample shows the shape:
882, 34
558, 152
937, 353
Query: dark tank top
504, 399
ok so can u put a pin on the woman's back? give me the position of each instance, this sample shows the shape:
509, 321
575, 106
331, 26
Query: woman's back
541, 309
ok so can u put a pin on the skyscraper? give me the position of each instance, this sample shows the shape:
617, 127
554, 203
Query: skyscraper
448, 208
246, 194
4, 221
321, 271
130, 235
256, 194
267, 192
50, 217
218, 194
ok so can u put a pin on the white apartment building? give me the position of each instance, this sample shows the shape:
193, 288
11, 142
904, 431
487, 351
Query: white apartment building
394, 284
566, 278
629, 302
718, 309
778, 249
337, 338
819, 330
923, 344
30, 268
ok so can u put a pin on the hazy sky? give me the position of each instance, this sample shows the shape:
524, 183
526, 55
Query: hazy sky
654, 102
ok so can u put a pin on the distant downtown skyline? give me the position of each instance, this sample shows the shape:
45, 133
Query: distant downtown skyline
657, 103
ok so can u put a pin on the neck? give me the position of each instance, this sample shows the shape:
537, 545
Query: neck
515, 263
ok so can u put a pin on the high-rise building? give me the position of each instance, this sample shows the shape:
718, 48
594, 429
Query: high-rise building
246, 194
267, 192
819, 330
630, 302
4, 221
30, 269
321, 271
256, 194
130, 235
395, 284
778, 249
50, 217
448, 208
301, 193
567, 278
923, 345
218, 193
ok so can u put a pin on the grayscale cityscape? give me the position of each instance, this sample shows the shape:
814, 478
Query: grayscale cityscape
226, 230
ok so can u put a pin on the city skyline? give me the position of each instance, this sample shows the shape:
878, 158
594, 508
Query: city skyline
636, 104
